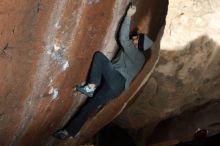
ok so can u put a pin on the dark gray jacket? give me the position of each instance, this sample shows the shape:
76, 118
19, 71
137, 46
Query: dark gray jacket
129, 60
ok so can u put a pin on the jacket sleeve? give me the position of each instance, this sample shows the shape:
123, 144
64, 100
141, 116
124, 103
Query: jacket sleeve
124, 35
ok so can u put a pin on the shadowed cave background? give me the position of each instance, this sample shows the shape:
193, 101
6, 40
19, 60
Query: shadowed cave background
46, 49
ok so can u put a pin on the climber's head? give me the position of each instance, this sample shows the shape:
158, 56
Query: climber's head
135, 40
141, 41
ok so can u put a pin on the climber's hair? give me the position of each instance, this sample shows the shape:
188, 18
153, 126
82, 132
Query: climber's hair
133, 33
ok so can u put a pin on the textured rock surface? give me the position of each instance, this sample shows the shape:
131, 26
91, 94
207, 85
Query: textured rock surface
45, 49
186, 77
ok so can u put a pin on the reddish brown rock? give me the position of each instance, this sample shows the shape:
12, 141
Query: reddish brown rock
45, 49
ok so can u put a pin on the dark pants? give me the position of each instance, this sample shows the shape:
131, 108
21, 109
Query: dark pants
111, 84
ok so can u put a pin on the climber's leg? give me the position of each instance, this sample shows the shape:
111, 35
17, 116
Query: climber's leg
104, 94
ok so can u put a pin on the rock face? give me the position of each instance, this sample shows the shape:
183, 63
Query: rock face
186, 78
46, 48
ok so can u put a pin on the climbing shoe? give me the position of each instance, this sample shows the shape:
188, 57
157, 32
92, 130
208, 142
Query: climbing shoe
61, 135
86, 90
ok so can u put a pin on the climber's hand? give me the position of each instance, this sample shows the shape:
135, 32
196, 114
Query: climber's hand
131, 10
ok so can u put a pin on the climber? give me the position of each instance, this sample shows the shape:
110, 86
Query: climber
108, 79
